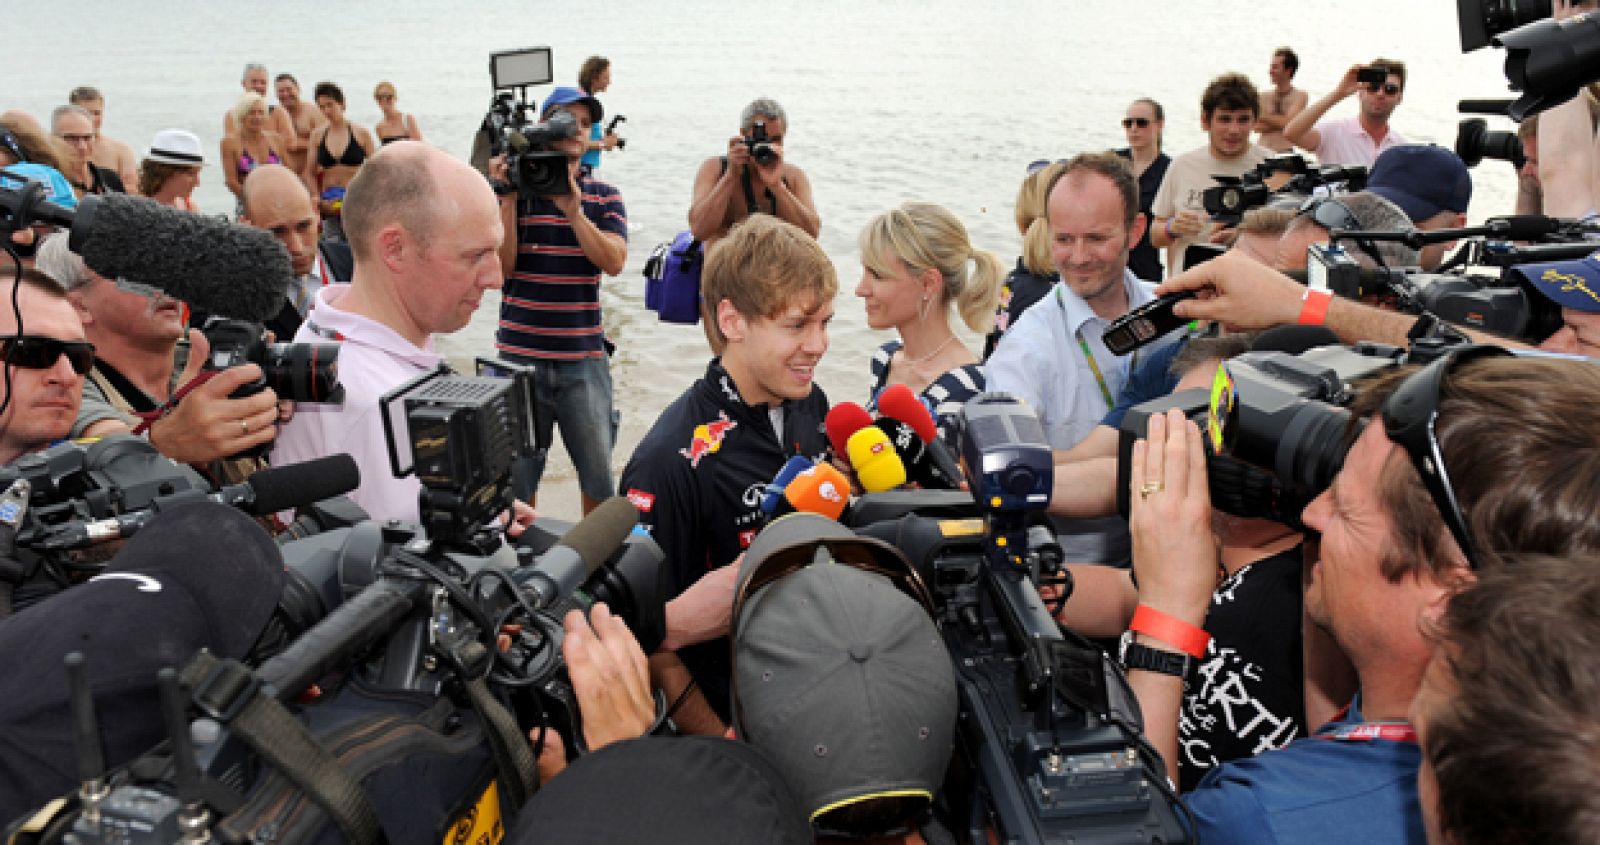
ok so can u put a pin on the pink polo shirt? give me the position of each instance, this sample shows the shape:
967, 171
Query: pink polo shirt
1345, 142
373, 359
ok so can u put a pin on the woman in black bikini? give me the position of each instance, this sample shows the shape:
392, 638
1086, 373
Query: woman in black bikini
327, 174
396, 125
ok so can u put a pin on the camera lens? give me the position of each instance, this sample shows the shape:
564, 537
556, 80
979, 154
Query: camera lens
303, 372
1311, 449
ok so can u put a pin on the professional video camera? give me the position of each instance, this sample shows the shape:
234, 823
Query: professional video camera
760, 145
405, 705
1050, 733
1546, 59
1227, 201
533, 169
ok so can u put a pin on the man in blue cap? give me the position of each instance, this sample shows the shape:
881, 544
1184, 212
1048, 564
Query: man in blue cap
555, 248
1430, 184
1575, 286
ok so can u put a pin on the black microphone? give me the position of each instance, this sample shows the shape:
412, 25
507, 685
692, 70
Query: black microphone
267, 491
215, 266
1495, 107
913, 452
580, 552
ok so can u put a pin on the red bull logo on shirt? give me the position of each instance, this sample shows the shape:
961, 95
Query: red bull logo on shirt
707, 439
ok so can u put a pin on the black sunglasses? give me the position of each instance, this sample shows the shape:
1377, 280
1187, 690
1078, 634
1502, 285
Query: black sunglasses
1130, 122
1410, 419
1388, 88
1039, 164
1333, 215
41, 353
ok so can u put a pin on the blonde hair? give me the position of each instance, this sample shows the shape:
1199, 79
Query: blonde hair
1031, 222
247, 101
385, 87
763, 266
925, 235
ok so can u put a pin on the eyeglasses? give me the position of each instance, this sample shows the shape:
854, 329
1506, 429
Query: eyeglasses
1130, 122
1410, 419
1390, 88
33, 352
77, 139
385, 96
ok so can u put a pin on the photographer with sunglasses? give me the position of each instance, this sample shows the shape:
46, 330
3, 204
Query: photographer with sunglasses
44, 367
1470, 458
1359, 139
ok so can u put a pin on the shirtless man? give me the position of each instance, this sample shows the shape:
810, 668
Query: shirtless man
109, 153
730, 188
302, 117
255, 79
1281, 103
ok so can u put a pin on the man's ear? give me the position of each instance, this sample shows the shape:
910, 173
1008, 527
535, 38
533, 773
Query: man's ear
1454, 579
75, 296
395, 247
1140, 223
734, 326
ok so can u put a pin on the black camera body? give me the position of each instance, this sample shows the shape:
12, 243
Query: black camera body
760, 145
297, 372
1475, 142
533, 167
1228, 200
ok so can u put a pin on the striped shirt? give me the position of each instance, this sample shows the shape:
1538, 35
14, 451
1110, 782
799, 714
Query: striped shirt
550, 308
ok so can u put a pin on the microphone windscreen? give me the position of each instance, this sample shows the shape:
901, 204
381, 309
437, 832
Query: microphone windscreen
218, 267
899, 402
774, 494
843, 420
289, 486
875, 462
822, 489
602, 532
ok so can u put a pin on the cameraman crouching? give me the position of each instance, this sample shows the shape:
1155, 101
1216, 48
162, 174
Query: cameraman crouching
139, 366
1510, 443
555, 249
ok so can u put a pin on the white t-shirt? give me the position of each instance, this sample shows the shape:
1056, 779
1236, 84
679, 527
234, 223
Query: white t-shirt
1184, 186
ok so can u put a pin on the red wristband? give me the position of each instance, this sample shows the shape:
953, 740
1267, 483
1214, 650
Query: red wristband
1314, 311
1170, 630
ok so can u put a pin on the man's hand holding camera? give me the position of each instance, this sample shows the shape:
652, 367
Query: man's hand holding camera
611, 679
207, 424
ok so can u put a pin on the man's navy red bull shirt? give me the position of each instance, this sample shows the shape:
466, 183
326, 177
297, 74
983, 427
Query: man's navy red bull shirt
697, 479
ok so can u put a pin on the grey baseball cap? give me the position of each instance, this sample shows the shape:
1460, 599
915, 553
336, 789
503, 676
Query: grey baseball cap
840, 676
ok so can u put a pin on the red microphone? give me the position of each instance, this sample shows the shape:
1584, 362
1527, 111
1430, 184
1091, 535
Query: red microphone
843, 420
898, 402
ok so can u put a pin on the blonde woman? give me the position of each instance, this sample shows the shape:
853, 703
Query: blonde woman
254, 145
916, 263
396, 125
1036, 272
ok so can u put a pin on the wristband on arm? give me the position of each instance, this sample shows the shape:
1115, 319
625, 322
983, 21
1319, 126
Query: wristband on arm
1171, 630
1314, 308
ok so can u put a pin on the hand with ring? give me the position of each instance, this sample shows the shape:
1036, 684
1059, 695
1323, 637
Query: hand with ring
1174, 550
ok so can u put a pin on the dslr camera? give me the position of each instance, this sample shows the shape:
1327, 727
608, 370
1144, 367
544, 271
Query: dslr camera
760, 145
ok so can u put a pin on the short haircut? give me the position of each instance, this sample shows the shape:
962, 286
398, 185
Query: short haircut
1517, 437
1111, 166
59, 265
85, 94
591, 70
395, 188
763, 266
1378, 214
1395, 67
249, 68
62, 111
1265, 220
1031, 220
1230, 92
764, 106
1291, 60
329, 90
1198, 350
289, 76
1515, 750
247, 101
925, 235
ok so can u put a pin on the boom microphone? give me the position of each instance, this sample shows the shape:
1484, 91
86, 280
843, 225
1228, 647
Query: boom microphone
215, 266
876, 463
265, 492
580, 552
843, 420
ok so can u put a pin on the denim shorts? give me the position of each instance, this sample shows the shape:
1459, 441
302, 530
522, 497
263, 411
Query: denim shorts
575, 396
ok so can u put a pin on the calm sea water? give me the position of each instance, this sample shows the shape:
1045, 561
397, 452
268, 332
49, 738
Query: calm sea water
939, 100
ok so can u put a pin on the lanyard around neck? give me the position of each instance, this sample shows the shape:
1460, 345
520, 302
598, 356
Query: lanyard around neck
1094, 365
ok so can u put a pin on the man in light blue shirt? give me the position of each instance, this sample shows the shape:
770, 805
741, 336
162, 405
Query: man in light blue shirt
1053, 358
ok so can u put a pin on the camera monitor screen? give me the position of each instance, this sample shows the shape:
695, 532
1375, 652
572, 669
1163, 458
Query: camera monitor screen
516, 68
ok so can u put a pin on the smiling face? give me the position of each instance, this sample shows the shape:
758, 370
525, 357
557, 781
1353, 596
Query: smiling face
1089, 242
288, 93
775, 358
1278, 72
255, 79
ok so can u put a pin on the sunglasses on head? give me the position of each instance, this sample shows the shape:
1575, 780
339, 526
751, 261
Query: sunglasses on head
32, 352
1130, 122
1039, 164
1410, 419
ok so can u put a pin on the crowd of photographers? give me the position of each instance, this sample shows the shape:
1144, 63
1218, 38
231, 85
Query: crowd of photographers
1351, 600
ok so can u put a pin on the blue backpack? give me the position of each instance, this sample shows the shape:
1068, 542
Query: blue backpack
672, 280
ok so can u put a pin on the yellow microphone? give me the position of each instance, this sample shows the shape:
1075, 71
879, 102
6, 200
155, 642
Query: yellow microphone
877, 466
